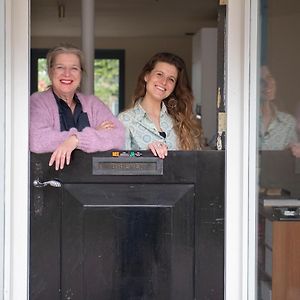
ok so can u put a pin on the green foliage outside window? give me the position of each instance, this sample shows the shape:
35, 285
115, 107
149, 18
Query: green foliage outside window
106, 82
43, 79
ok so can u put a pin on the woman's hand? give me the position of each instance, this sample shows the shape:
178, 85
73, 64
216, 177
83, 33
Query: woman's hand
295, 148
105, 125
62, 155
159, 149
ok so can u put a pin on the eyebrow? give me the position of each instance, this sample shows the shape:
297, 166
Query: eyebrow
172, 76
62, 64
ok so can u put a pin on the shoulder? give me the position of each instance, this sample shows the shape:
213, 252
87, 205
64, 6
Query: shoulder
91, 101
286, 118
131, 115
135, 112
128, 113
43, 98
42, 95
88, 98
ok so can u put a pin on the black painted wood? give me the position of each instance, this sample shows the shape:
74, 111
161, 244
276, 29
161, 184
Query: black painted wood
128, 237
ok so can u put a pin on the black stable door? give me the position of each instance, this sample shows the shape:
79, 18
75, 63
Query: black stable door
126, 237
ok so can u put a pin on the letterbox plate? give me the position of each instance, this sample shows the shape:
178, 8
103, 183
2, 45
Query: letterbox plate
127, 166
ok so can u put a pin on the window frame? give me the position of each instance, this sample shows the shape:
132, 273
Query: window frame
119, 54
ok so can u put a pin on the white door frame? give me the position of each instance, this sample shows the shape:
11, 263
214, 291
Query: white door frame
16, 96
2, 107
241, 187
239, 279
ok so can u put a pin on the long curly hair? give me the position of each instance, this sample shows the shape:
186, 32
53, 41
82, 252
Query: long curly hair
179, 104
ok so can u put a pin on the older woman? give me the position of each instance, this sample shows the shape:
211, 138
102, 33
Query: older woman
162, 114
277, 129
62, 119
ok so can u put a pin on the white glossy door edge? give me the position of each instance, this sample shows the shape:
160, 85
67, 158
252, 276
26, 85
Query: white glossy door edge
254, 55
16, 47
2, 95
240, 177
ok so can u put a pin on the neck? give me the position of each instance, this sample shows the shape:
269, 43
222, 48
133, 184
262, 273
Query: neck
152, 109
68, 98
151, 106
268, 113
267, 109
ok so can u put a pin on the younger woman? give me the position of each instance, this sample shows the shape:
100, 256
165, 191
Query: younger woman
162, 114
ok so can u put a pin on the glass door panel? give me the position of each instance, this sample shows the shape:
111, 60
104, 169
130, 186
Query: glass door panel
279, 151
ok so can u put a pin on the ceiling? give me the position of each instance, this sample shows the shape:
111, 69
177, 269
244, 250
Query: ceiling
125, 18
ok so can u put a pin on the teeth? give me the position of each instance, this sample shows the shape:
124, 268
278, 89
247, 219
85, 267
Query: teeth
66, 81
160, 88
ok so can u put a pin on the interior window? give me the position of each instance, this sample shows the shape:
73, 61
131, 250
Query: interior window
108, 76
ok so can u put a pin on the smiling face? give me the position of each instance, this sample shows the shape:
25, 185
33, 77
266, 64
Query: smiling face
65, 75
268, 85
161, 81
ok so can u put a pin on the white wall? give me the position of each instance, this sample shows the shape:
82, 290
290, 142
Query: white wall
204, 78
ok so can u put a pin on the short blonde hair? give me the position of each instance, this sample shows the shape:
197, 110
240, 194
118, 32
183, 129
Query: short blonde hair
64, 48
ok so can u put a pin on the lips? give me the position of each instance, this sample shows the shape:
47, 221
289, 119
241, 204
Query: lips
66, 81
160, 88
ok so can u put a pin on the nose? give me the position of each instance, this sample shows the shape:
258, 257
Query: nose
67, 71
164, 80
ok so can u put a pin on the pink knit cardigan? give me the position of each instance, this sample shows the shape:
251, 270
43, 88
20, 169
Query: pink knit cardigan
45, 135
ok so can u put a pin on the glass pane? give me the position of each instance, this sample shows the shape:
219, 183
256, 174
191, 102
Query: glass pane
279, 149
43, 79
106, 80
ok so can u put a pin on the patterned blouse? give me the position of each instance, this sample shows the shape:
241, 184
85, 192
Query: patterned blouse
140, 131
280, 133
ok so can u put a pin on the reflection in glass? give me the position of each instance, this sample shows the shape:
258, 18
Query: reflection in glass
278, 253
277, 128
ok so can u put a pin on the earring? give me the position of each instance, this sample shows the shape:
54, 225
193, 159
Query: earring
172, 103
